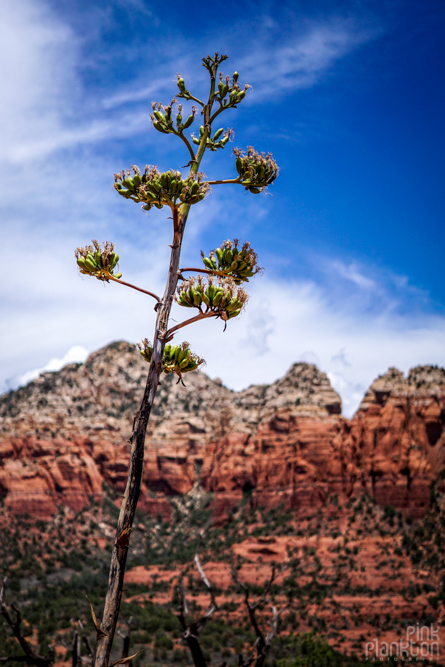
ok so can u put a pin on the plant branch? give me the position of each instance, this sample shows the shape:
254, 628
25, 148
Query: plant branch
30, 657
76, 658
201, 316
182, 136
126, 641
262, 644
85, 641
207, 110
195, 99
218, 111
139, 289
228, 180
210, 271
251, 609
213, 605
192, 629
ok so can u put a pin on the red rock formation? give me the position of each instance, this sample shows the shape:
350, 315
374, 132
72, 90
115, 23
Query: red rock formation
37, 475
395, 445
64, 435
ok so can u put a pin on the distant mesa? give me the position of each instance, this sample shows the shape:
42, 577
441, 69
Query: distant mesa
63, 437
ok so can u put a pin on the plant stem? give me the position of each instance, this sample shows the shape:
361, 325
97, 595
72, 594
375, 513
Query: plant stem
107, 629
131, 495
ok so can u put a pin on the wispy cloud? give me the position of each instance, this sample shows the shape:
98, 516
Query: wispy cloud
135, 93
304, 56
352, 273
134, 7
373, 289
76, 354
351, 318
286, 321
300, 321
125, 125
48, 107
37, 56
40, 59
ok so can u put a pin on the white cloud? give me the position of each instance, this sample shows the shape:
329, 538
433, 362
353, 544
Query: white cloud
136, 94
124, 126
303, 57
353, 273
76, 354
341, 358
37, 55
348, 320
284, 322
48, 110
301, 323
133, 7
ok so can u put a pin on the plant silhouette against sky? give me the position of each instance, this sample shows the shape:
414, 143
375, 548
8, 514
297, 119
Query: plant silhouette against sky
215, 291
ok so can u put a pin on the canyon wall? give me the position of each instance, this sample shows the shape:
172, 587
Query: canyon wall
64, 436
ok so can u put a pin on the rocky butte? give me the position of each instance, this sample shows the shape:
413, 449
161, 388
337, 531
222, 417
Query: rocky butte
63, 437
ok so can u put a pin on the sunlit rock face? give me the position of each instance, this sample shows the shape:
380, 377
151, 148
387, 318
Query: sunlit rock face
65, 435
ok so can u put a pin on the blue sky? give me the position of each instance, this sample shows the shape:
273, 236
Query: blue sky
348, 97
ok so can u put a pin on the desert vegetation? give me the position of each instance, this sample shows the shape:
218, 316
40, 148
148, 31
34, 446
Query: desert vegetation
344, 575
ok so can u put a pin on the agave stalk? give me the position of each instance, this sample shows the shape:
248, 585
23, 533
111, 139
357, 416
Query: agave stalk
107, 629
92, 262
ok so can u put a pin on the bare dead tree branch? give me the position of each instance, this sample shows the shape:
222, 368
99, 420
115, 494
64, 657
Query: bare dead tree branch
86, 643
76, 658
213, 605
262, 644
76, 648
191, 628
126, 639
30, 656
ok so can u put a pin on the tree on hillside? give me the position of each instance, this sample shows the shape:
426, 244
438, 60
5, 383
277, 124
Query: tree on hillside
215, 291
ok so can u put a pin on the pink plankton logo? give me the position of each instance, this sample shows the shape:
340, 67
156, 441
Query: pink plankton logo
421, 643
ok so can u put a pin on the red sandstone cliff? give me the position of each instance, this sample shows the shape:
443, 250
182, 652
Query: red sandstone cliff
64, 435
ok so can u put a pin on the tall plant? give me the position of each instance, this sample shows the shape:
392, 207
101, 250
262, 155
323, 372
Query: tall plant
216, 291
